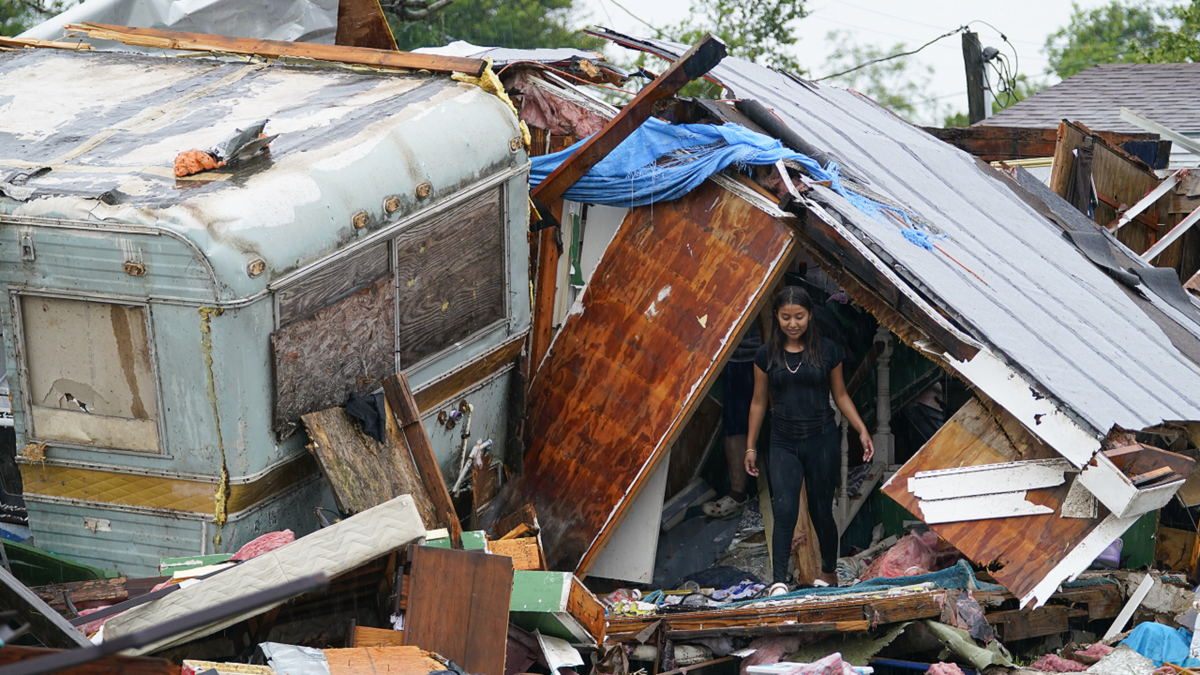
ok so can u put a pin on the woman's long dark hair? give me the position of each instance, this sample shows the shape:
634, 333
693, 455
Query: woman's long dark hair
811, 338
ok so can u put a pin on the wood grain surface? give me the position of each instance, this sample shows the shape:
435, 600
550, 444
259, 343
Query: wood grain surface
624, 375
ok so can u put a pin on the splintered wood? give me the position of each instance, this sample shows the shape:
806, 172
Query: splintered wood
623, 376
362, 471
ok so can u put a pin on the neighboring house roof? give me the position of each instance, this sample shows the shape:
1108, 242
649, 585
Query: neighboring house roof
1163, 92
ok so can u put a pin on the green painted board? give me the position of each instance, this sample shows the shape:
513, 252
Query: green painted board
539, 602
1137, 547
169, 566
35, 567
475, 540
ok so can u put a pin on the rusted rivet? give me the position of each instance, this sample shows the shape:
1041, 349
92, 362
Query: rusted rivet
134, 268
514, 144
392, 205
256, 267
360, 220
423, 190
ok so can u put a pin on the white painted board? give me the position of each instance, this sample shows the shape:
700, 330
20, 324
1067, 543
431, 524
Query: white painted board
984, 507
989, 479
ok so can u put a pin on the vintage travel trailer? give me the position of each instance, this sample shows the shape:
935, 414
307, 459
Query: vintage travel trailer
163, 335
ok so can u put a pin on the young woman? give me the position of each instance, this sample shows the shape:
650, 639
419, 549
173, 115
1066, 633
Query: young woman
800, 369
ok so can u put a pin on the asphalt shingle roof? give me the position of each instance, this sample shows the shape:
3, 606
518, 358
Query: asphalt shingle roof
1164, 92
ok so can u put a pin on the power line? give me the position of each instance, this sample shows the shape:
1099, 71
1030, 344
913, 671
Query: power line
894, 56
658, 33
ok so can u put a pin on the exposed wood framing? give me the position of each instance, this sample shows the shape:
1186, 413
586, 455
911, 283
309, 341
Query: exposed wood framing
199, 42
993, 144
665, 305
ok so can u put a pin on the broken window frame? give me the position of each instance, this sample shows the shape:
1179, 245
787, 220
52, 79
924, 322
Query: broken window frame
16, 295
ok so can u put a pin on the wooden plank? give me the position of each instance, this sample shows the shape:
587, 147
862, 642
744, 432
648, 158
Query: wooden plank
1019, 624
693, 64
525, 553
449, 385
361, 23
80, 592
458, 606
165, 39
675, 285
44, 623
407, 414
545, 285
451, 277
365, 636
526, 515
109, 665
586, 609
993, 144
322, 287
380, 660
1021, 551
347, 346
363, 472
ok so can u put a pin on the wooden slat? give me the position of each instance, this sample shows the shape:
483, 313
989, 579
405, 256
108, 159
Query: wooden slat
381, 660
165, 39
404, 407
446, 387
109, 665
361, 23
1026, 548
363, 472
693, 64
1008, 143
107, 590
675, 285
458, 606
545, 285
365, 636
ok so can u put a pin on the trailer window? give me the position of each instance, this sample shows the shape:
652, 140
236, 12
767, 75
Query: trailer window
90, 375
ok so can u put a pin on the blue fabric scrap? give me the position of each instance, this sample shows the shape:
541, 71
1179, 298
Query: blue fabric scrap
1160, 643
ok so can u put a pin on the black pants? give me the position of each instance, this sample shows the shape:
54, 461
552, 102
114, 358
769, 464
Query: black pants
795, 460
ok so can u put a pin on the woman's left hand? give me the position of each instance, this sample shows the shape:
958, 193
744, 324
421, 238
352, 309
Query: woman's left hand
868, 445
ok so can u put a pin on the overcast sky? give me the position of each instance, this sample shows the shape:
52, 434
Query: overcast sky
1027, 23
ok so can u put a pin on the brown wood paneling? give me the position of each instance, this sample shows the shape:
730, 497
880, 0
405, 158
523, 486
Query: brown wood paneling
700, 436
1021, 551
363, 472
623, 376
361, 23
458, 606
365, 636
348, 346
332, 282
450, 273
1008, 143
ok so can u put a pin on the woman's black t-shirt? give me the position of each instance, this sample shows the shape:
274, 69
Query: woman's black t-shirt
801, 397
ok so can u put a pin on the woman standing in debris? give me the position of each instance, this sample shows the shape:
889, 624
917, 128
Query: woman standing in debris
799, 370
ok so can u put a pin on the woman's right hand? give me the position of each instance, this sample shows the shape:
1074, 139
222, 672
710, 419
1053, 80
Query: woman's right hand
751, 463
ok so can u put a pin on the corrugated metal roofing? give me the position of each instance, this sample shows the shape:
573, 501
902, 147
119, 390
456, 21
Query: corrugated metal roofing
1164, 92
1001, 270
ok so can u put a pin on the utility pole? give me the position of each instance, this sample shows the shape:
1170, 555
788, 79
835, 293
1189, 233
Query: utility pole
976, 82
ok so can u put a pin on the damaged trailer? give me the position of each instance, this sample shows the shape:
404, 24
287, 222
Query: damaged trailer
163, 335
1058, 328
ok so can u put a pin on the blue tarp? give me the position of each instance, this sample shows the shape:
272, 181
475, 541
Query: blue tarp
659, 162
1161, 643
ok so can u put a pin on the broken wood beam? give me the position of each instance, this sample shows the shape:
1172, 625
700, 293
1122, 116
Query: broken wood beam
274, 49
106, 590
1150, 476
516, 532
47, 625
400, 400
698, 60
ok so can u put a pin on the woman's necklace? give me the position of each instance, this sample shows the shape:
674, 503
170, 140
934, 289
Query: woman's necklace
799, 362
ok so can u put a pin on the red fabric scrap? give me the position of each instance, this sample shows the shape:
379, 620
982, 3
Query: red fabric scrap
265, 544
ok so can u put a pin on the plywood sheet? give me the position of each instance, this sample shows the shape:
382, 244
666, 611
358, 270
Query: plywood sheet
458, 606
363, 472
629, 366
347, 346
1021, 551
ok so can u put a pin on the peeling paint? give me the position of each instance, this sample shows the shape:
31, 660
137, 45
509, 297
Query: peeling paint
222, 494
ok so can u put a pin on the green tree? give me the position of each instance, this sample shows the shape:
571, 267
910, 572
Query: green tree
523, 24
1114, 33
893, 81
1179, 40
762, 32
17, 16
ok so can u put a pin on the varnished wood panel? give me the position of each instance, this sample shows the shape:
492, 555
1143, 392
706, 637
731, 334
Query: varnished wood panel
331, 283
1023, 550
361, 23
458, 606
363, 472
624, 375
345, 347
450, 273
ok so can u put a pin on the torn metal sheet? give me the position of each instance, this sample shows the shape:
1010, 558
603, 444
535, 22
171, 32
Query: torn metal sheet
988, 479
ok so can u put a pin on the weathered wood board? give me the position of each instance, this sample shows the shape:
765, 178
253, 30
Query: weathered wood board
1020, 551
347, 346
378, 660
625, 373
458, 606
363, 472
1008, 143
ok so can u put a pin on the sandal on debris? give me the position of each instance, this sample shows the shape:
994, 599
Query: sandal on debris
722, 508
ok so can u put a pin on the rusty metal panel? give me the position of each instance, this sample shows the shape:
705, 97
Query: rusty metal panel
346, 346
1020, 551
634, 358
